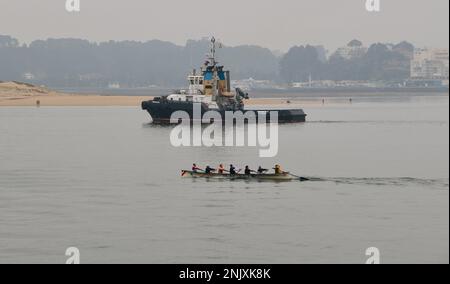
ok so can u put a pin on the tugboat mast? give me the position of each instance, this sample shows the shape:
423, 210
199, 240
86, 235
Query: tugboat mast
213, 63
213, 51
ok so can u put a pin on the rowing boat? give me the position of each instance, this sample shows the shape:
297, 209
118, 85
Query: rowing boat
255, 177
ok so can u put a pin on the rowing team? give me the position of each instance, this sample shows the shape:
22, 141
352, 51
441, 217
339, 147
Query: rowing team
233, 171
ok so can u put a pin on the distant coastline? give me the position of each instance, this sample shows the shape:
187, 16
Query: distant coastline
24, 94
352, 90
259, 91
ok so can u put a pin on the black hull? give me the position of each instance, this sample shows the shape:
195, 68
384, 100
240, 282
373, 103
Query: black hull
161, 112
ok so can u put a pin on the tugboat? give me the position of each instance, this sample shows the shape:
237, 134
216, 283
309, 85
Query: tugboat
211, 89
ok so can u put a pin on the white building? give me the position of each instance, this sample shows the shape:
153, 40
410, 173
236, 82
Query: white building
252, 84
430, 64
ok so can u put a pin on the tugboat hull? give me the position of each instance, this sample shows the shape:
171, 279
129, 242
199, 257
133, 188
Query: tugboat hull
161, 112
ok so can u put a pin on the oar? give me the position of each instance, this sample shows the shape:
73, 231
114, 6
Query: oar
299, 177
237, 172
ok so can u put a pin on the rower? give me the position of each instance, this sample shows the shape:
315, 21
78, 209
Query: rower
232, 170
195, 168
221, 169
262, 171
248, 171
209, 170
278, 170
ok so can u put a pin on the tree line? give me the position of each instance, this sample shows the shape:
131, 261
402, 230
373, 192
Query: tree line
381, 62
80, 63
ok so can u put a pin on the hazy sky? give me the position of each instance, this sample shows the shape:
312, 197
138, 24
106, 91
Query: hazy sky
276, 24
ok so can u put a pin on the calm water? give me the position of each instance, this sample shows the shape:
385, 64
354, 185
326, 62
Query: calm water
105, 181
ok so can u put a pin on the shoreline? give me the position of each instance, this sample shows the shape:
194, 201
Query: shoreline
77, 100
17, 98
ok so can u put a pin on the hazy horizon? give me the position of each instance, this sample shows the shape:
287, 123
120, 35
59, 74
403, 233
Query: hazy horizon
278, 25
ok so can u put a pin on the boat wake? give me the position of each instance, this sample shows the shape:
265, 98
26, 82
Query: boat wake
392, 122
391, 181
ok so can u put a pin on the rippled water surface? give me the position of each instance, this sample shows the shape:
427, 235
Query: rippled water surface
107, 182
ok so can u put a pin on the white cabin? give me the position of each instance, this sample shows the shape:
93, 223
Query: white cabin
194, 93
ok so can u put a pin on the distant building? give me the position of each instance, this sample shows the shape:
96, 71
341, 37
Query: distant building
430, 64
114, 86
252, 84
337, 84
354, 49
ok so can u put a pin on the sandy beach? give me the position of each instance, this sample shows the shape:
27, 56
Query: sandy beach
73, 100
21, 94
